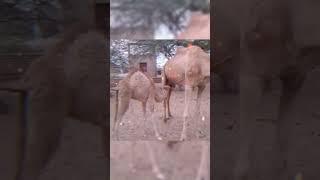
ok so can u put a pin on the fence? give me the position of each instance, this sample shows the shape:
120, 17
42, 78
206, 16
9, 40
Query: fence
13, 66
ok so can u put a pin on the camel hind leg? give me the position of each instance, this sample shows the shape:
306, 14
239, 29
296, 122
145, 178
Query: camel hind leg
166, 105
187, 98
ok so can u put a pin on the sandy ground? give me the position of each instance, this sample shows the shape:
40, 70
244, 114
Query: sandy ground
133, 119
179, 163
80, 154
304, 141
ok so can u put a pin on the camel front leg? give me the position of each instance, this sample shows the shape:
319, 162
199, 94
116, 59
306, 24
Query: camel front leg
124, 101
132, 164
153, 120
155, 166
203, 173
144, 110
187, 98
250, 96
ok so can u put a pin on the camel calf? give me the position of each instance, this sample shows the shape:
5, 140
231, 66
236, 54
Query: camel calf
189, 67
139, 86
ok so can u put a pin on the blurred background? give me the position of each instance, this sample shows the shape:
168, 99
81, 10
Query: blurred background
153, 19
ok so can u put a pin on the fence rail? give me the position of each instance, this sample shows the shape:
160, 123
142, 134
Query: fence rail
13, 66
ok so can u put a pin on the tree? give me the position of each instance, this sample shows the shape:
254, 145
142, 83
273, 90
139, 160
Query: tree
119, 48
155, 12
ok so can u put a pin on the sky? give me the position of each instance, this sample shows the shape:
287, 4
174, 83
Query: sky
163, 33
161, 60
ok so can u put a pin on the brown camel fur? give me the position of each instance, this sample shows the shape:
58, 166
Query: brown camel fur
139, 86
67, 81
189, 67
277, 40
59, 85
198, 27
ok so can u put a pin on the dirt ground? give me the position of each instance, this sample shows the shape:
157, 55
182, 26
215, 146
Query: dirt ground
304, 141
179, 163
133, 119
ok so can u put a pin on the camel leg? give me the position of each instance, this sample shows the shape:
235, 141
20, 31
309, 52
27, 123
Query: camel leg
131, 164
144, 110
203, 167
153, 120
199, 95
290, 88
168, 102
187, 98
44, 127
165, 109
124, 101
155, 166
250, 94
166, 105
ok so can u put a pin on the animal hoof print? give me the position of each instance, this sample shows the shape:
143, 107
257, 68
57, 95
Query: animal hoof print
203, 118
159, 138
121, 124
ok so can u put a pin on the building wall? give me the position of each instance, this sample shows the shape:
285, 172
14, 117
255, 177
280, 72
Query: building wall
150, 59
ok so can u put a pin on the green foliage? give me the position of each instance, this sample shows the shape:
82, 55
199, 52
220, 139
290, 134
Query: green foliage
119, 48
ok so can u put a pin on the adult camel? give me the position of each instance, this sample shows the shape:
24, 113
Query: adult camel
67, 81
189, 67
277, 40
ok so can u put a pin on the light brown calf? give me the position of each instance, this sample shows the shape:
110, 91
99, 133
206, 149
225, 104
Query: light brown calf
139, 86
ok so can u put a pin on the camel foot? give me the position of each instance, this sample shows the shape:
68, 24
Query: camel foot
166, 119
183, 137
